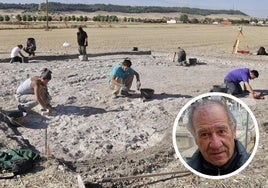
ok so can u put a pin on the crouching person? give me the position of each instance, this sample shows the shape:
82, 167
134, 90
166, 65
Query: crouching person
181, 56
121, 79
35, 86
16, 55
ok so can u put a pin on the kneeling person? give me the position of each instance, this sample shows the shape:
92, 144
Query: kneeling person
234, 77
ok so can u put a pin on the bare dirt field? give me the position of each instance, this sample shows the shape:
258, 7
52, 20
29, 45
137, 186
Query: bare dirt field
98, 137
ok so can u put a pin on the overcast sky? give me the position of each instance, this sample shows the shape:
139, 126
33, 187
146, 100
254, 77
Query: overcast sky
254, 8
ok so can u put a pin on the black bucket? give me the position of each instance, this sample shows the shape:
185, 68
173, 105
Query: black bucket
147, 93
135, 49
25, 59
219, 88
216, 88
192, 61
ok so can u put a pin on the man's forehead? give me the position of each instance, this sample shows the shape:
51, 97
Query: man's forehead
208, 108
213, 127
210, 114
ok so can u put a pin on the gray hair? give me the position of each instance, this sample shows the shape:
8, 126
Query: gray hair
204, 102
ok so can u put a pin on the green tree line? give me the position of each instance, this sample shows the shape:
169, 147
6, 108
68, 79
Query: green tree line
31, 18
112, 18
61, 7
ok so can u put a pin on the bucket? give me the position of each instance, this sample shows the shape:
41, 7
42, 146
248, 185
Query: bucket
216, 88
147, 93
83, 58
192, 61
25, 59
135, 49
219, 88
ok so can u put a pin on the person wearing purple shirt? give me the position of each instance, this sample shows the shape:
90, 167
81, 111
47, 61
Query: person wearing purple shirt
234, 77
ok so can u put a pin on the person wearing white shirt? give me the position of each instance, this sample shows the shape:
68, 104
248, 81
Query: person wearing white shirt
16, 51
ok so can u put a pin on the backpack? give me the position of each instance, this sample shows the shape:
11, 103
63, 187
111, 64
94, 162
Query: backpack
261, 51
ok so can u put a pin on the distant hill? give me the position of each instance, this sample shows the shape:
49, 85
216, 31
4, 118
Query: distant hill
61, 7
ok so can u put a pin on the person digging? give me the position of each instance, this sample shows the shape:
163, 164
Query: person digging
121, 78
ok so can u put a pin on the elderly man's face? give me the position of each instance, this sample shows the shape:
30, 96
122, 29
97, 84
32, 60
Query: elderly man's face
214, 136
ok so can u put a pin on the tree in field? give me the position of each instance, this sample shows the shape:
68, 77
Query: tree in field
114, 19
29, 18
40, 18
7, 18
18, 18
194, 21
184, 18
24, 18
73, 18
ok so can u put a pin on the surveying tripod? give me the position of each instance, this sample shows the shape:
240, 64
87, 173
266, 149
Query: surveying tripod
236, 44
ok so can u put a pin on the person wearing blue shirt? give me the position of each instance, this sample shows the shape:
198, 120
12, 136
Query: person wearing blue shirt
121, 78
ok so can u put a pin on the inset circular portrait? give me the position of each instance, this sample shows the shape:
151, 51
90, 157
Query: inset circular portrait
215, 135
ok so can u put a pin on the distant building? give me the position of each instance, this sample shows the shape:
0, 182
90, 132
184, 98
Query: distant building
260, 22
226, 23
171, 21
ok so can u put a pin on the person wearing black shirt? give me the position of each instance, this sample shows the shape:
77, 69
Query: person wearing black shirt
82, 41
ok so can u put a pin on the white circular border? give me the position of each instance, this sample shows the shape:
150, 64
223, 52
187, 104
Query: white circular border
176, 124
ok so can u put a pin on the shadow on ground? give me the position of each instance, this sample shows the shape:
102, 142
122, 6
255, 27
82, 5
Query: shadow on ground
80, 111
160, 96
263, 92
75, 56
34, 120
166, 95
12, 134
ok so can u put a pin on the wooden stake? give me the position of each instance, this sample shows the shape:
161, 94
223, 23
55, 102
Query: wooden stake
185, 173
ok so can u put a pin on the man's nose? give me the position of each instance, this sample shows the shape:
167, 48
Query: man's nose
215, 142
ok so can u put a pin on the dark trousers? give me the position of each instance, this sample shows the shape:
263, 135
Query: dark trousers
233, 88
30, 50
82, 50
16, 59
